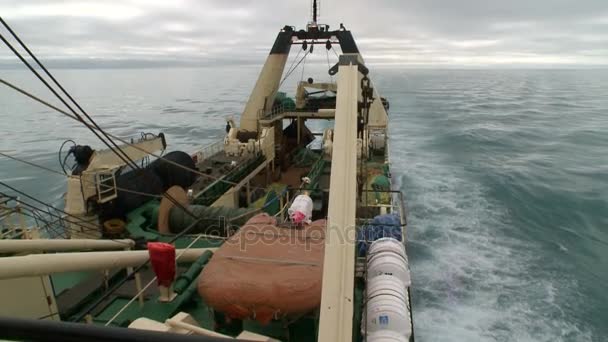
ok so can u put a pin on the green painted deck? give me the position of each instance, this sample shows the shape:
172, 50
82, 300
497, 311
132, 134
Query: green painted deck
141, 225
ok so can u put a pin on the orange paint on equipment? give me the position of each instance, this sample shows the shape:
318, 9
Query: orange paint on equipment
266, 271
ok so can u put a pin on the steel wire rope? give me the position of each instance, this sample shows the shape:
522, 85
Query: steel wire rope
84, 180
47, 104
294, 68
79, 219
118, 152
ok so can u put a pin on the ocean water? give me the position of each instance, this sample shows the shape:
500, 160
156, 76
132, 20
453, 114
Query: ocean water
505, 174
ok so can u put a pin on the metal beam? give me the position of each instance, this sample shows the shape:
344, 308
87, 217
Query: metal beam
107, 159
43, 264
61, 245
336, 320
263, 93
221, 201
41, 330
326, 114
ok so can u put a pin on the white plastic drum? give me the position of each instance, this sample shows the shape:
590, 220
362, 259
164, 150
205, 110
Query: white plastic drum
386, 285
387, 257
386, 336
386, 308
388, 244
387, 312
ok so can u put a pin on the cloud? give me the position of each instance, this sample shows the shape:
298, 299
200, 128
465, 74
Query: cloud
392, 32
107, 11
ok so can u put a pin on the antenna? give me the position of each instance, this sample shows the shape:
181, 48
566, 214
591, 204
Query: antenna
316, 10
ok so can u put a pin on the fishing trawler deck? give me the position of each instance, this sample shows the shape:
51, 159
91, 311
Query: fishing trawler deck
259, 236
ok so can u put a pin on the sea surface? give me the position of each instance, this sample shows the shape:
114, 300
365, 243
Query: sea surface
505, 174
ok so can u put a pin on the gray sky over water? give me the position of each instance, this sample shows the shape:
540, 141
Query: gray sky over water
393, 32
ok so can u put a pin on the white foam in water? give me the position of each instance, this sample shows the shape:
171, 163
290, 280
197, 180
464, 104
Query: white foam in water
471, 281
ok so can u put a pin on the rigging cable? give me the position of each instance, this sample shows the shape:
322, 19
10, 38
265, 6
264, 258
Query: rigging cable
290, 66
50, 207
79, 118
293, 69
85, 180
312, 45
331, 77
6, 231
47, 104
24, 211
62, 89
335, 53
47, 225
137, 295
86, 231
127, 161
142, 193
121, 189
119, 283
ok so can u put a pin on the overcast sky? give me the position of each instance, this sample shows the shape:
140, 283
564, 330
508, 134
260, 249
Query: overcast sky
403, 32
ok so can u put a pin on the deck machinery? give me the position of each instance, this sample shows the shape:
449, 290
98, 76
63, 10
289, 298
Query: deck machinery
199, 203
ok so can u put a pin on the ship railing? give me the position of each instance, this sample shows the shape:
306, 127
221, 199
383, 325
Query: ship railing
217, 188
12, 218
55, 229
16, 221
140, 293
209, 151
20, 329
271, 114
396, 206
7, 227
396, 203
316, 170
138, 138
366, 213
361, 271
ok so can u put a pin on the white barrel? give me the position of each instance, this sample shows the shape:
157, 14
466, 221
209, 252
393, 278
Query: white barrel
387, 312
387, 244
386, 308
387, 336
387, 257
386, 285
